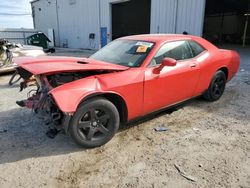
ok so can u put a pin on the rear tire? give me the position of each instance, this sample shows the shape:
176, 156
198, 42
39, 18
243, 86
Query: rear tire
216, 87
94, 123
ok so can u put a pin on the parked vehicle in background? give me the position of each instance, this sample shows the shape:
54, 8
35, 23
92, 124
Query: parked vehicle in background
130, 77
9, 50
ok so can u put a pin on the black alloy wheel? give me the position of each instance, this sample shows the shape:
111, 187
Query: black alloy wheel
95, 123
217, 87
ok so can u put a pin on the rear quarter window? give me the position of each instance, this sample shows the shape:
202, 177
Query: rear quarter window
196, 48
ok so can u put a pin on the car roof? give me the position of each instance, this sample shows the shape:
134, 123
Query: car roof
160, 37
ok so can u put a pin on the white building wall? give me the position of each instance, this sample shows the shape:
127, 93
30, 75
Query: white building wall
45, 16
176, 16
163, 16
167, 16
190, 16
77, 19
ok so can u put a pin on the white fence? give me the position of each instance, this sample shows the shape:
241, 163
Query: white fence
16, 35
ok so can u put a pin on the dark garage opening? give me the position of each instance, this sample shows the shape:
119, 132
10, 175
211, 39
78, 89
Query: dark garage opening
225, 21
131, 18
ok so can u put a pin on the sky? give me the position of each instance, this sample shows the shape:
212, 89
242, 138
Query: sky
15, 14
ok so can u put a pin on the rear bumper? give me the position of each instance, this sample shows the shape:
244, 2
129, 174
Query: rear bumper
233, 65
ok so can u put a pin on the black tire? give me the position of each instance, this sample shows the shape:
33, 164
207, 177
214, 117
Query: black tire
94, 123
14, 78
216, 87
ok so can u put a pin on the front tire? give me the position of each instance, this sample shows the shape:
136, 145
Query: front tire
94, 123
216, 87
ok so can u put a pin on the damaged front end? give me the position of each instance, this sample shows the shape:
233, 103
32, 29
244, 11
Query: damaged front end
40, 101
59, 84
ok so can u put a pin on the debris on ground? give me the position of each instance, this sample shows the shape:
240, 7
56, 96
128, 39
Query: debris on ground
195, 129
51, 133
3, 131
183, 173
161, 128
247, 82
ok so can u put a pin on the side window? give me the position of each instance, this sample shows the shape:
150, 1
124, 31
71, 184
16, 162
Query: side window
178, 50
196, 48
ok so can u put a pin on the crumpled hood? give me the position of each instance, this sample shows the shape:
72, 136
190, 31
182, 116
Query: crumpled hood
54, 64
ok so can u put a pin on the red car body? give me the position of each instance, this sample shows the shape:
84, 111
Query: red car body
143, 89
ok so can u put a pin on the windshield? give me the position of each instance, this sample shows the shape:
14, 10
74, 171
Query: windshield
130, 53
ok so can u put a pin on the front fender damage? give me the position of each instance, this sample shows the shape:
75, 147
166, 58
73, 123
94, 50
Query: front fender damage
74, 92
42, 103
55, 98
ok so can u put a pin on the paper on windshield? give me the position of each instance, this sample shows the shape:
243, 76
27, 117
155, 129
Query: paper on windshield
142, 49
143, 46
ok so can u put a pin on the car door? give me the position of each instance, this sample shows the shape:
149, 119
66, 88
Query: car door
172, 84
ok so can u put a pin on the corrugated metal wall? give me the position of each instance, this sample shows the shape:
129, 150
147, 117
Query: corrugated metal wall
45, 17
190, 16
16, 35
176, 16
78, 18
167, 16
163, 16
72, 21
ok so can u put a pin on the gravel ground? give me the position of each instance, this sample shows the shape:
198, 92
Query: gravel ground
208, 142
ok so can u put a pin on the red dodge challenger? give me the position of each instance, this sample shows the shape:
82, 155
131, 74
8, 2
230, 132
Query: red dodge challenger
131, 77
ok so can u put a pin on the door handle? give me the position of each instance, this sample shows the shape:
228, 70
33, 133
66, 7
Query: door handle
193, 65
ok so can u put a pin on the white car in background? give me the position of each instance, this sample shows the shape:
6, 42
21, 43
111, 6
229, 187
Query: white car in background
8, 51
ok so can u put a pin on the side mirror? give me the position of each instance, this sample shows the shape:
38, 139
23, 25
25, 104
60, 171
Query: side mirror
166, 62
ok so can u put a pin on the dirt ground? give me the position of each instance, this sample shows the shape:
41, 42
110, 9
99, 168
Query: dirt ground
209, 142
